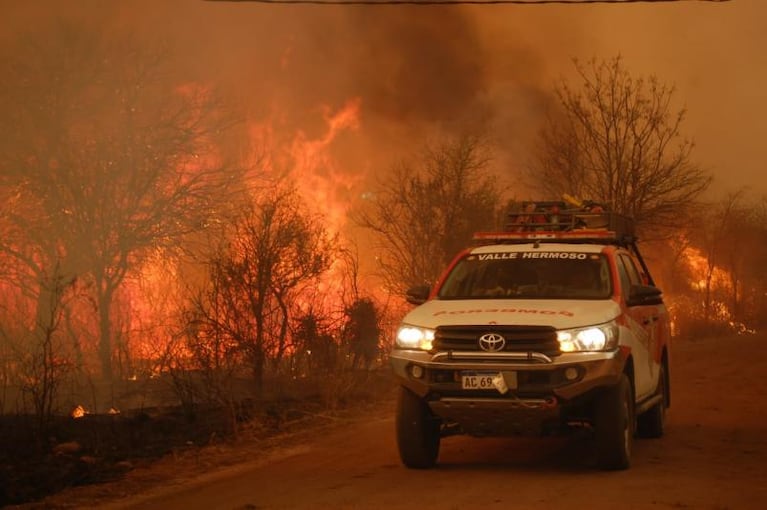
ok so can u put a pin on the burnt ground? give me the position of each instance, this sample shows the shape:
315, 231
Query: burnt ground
711, 458
101, 448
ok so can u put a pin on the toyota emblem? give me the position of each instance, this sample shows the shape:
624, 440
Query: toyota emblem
492, 342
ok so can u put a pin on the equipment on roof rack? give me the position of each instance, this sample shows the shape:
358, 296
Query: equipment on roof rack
583, 219
569, 221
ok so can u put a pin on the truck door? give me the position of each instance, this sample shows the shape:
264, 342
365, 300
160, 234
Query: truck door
642, 323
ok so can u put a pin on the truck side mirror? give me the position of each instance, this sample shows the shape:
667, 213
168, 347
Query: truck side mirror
417, 295
644, 295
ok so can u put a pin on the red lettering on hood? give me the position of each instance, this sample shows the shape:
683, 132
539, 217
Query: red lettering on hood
565, 313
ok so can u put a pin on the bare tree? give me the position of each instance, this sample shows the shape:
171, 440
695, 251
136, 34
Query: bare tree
111, 157
274, 248
618, 140
422, 213
36, 357
713, 233
733, 239
756, 297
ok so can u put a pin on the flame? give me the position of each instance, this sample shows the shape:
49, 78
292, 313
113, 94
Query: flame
322, 182
312, 163
144, 304
148, 297
698, 264
147, 301
718, 282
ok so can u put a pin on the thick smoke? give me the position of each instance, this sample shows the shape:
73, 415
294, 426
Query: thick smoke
424, 71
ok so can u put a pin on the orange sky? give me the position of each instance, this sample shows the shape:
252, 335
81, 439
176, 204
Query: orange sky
419, 71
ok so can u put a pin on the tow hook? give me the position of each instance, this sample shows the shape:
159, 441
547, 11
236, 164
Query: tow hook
549, 403
541, 404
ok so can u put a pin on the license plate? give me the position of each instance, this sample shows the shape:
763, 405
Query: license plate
478, 381
501, 382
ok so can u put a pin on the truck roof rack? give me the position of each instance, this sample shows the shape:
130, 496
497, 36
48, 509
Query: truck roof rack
569, 221
585, 222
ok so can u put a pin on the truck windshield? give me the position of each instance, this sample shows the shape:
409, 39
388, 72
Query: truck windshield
529, 275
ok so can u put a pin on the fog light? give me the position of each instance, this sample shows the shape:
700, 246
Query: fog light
416, 371
571, 373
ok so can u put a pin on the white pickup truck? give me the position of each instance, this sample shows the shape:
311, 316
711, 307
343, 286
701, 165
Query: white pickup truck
554, 323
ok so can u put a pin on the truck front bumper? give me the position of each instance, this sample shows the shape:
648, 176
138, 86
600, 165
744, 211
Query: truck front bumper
536, 386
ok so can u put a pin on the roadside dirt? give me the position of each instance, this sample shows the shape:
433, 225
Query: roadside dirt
713, 456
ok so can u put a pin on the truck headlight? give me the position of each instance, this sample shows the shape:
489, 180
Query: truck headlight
603, 337
412, 337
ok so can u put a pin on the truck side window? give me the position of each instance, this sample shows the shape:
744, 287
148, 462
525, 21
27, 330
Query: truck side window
625, 283
631, 270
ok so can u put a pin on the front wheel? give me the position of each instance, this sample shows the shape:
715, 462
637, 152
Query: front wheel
418, 431
614, 426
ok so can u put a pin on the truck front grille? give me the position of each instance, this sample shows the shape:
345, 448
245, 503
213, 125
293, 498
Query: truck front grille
541, 339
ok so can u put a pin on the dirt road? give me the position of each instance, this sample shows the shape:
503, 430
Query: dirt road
714, 456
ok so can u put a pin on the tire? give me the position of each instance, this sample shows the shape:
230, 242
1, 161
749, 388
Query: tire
652, 423
614, 426
418, 431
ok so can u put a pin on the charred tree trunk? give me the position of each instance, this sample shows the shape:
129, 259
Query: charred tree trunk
104, 302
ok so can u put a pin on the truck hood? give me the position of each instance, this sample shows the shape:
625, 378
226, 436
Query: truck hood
561, 314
